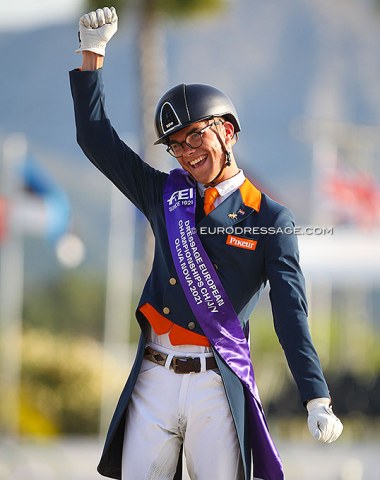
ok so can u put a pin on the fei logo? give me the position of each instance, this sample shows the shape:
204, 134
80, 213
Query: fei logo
186, 196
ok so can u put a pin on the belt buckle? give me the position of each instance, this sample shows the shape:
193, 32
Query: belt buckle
178, 361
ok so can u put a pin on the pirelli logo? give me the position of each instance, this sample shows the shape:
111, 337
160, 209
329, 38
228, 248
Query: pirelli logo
241, 242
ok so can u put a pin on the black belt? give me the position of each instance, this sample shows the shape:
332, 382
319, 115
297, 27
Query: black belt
179, 364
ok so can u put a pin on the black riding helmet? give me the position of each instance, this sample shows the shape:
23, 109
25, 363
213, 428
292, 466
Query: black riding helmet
185, 104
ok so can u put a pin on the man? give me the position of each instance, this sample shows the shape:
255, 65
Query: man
192, 386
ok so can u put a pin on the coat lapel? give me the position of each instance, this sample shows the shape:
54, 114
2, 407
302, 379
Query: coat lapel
236, 208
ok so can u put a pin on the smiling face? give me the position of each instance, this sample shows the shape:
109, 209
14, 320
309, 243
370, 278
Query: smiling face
205, 162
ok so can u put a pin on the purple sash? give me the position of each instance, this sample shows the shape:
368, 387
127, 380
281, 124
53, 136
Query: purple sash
214, 311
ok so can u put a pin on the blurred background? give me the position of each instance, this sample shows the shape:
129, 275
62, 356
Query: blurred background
74, 254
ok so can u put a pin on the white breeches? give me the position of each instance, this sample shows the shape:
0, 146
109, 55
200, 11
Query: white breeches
167, 410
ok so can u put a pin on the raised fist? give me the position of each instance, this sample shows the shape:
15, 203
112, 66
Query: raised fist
96, 29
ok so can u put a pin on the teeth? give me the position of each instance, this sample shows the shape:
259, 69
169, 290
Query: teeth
197, 160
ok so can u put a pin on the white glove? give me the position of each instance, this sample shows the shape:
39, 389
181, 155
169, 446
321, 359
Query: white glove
322, 422
96, 29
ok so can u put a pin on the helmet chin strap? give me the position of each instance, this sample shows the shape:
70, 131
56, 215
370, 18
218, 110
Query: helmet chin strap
227, 163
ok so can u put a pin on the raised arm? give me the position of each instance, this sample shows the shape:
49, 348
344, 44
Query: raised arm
99, 141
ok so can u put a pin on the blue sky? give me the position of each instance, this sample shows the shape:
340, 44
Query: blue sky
26, 14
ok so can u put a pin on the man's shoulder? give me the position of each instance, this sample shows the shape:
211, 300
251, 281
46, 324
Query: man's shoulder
270, 204
257, 199
272, 211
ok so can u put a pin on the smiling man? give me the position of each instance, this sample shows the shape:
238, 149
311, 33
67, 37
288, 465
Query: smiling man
192, 387
199, 154
203, 148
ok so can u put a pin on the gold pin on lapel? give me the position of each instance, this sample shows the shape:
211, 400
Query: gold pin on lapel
232, 215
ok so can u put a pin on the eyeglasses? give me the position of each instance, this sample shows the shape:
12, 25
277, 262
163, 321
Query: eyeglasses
192, 140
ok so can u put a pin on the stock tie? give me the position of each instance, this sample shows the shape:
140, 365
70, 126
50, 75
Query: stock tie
210, 196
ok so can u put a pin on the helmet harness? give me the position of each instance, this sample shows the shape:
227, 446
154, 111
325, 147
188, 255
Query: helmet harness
184, 104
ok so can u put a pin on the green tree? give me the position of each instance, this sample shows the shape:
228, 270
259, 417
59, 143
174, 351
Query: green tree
62, 383
72, 304
172, 8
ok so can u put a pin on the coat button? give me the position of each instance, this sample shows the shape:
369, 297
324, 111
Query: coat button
166, 310
191, 325
172, 281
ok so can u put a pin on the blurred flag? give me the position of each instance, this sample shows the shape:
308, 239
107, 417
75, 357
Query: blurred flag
41, 207
354, 197
3, 217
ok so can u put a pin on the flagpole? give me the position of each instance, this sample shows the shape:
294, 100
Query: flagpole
11, 289
119, 288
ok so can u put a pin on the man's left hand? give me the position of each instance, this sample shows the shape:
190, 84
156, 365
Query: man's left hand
322, 423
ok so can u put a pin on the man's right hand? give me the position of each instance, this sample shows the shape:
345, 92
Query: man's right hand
96, 29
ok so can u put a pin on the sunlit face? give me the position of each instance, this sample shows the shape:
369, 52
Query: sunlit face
204, 162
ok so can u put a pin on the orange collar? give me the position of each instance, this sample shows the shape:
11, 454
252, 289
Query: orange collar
250, 195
